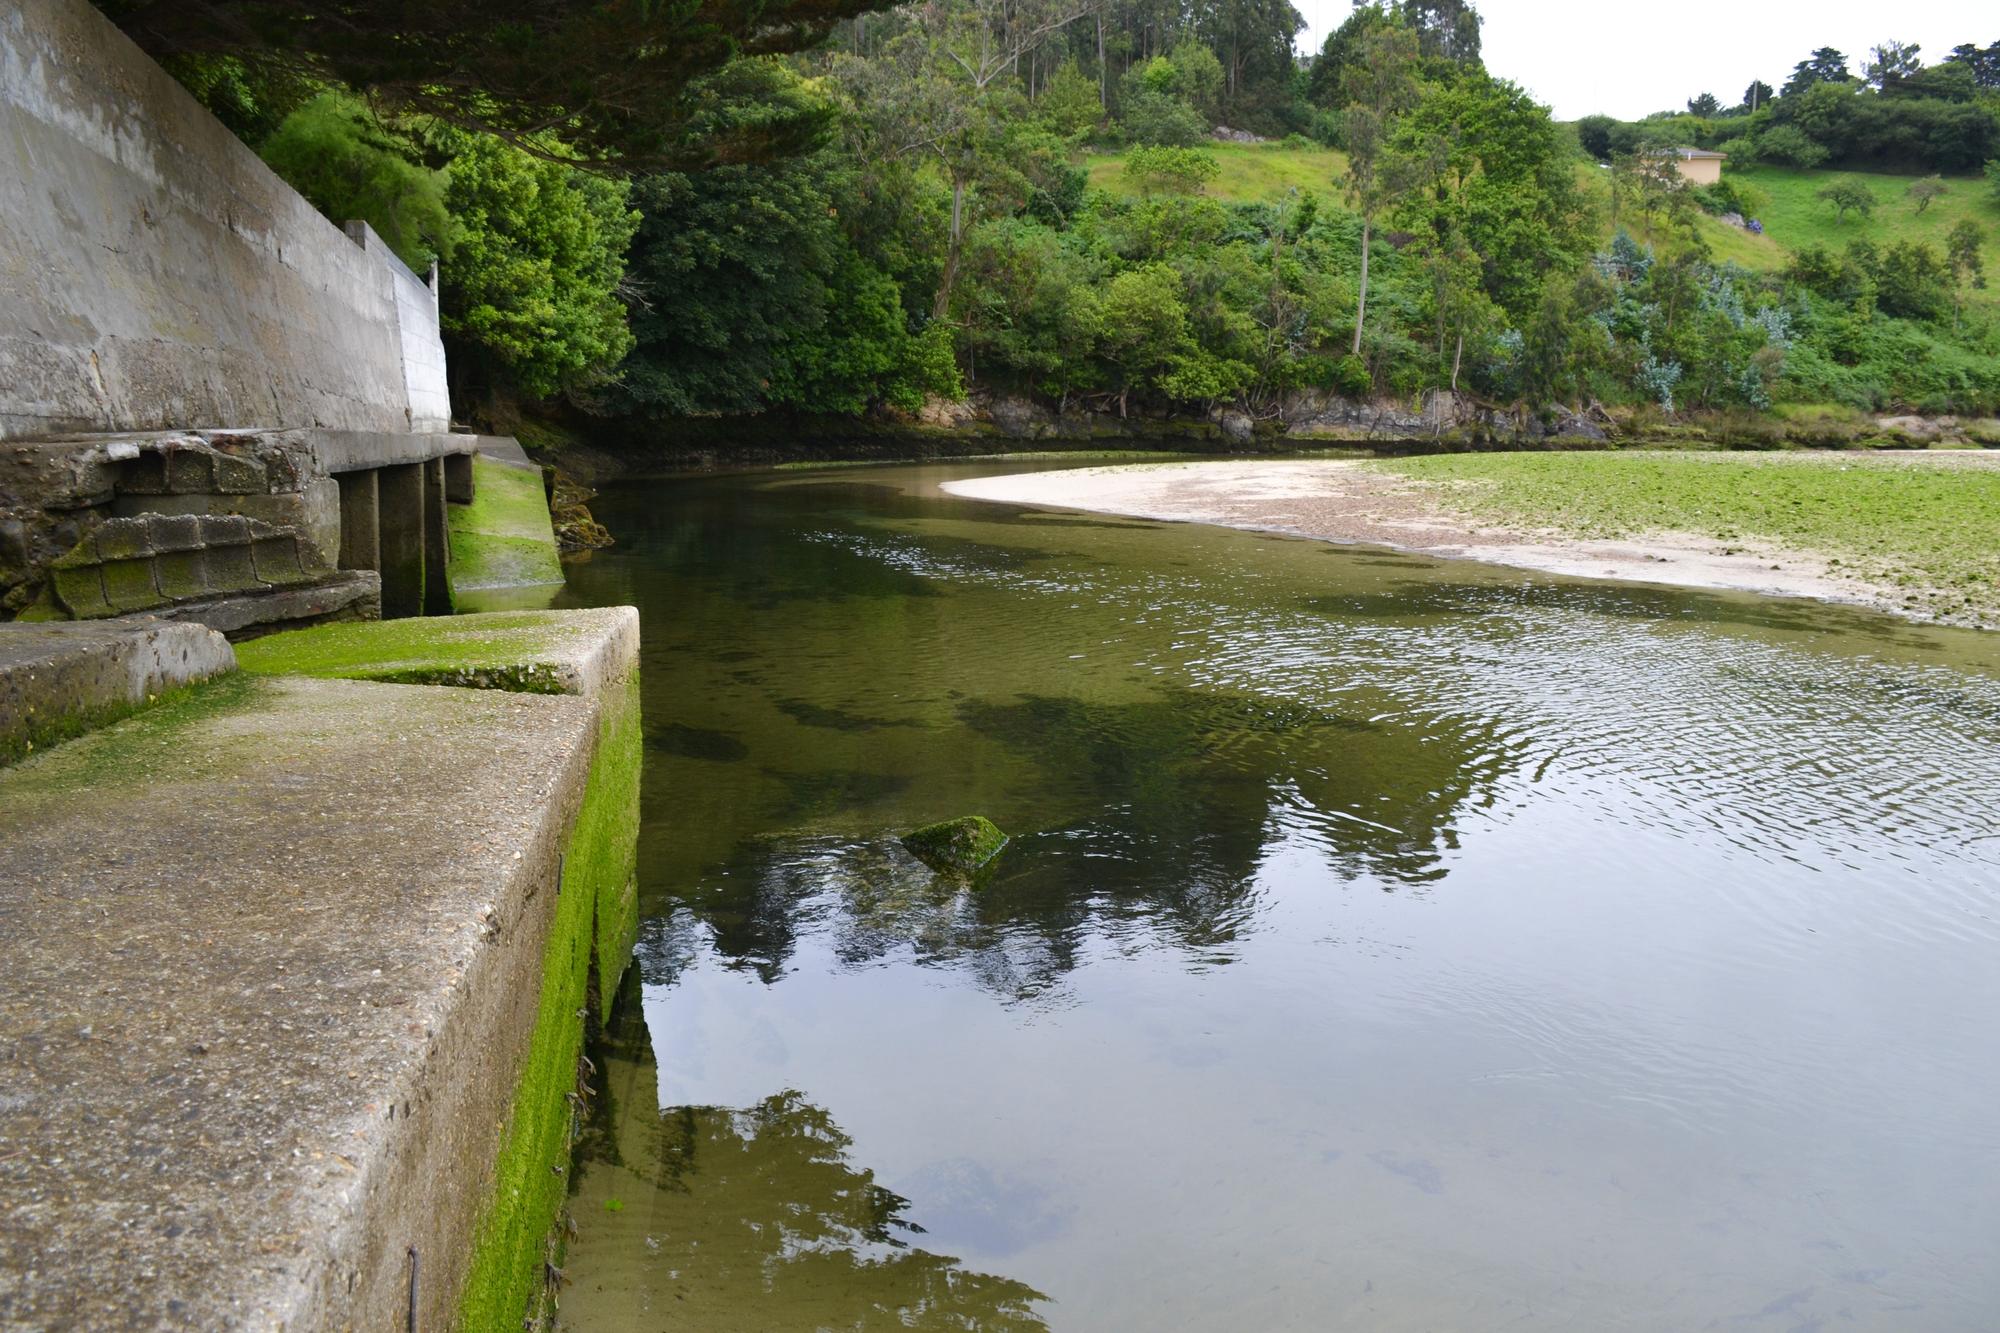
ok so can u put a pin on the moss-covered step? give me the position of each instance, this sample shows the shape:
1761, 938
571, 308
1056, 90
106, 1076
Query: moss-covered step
503, 544
272, 962
594, 654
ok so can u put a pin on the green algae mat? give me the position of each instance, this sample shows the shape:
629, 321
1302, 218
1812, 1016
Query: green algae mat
503, 545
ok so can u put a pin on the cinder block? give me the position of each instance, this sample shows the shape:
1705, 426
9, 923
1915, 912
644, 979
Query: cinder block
129, 585
144, 475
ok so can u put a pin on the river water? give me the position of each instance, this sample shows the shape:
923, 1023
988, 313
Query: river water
1385, 943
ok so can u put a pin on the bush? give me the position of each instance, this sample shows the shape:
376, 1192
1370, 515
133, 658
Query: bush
1787, 146
1162, 119
1176, 170
1351, 378
335, 152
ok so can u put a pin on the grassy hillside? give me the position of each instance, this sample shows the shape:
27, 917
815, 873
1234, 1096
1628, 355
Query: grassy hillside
1252, 173
1794, 219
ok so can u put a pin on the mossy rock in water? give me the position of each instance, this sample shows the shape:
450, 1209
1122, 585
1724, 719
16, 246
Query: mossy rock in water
964, 845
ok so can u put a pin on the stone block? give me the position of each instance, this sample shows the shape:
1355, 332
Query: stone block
190, 472
360, 521
458, 482
175, 532
229, 567
182, 575
276, 560
224, 530
80, 588
129, 585
124, 539
60, 680
238, 476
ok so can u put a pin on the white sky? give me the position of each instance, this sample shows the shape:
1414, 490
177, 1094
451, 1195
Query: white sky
1585, 56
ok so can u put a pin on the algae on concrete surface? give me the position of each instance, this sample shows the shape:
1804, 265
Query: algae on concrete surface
262, 962
58, 681
503, 544
591, 653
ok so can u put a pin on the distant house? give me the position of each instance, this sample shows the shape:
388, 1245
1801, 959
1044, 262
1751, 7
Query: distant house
1699, 166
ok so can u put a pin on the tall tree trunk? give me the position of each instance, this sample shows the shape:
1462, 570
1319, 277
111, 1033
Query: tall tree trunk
1361, 306
1457, 360
1103, 70
950, 278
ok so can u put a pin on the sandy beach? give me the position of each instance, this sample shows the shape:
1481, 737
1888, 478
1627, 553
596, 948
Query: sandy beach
1346, 501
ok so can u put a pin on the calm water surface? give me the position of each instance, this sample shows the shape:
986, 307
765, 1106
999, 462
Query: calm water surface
1385, 943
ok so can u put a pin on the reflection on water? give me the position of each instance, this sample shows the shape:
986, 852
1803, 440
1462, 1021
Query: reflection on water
1385, 943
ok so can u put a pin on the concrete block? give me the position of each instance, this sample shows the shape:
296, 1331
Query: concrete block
181, 575
190, 472
80, 588
401, 531
273, 965
276, 560
229, 567
437, 541
238, 476
360, 521
224, 530
124, 539
144, 475
346, 597
60, 680
129, 585
175, 532
458, 480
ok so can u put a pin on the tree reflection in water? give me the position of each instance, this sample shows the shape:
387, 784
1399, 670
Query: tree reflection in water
725, 1219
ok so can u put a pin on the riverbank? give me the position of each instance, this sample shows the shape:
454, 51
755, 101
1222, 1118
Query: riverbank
1908, 533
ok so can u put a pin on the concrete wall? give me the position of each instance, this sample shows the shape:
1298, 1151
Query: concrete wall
155, 275
417, 326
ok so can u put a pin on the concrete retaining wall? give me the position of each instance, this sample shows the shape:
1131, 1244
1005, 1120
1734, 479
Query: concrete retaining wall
155, 274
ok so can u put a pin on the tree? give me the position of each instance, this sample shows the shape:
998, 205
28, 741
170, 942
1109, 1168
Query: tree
1145, 327
1923, 193
1175, 170
1963, 255
617, 79
1825, 65
1380, 87
1446, 29
1848, 196
1984, 65
1707, 105
1758, 94
350, 164
1326, 82
533, 286
1891, 63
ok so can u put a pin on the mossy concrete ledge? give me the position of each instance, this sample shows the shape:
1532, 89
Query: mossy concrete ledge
60, 680
593, 654
271, 966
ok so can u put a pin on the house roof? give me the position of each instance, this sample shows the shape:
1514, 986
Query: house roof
1693, 154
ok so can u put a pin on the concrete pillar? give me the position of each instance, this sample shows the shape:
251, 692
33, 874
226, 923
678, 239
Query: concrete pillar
400, 490
360, 521
458, 478
437, 541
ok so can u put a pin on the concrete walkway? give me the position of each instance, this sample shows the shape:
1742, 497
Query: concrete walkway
271, 961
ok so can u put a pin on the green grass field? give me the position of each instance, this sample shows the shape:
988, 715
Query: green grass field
1252, 173
1921, 529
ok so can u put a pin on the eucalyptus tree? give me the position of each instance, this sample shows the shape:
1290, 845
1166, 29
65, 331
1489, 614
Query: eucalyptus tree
1378, 87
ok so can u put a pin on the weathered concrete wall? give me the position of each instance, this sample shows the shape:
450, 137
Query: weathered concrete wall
417, 326
154, 274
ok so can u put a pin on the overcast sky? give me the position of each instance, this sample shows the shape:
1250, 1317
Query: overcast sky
1585, 56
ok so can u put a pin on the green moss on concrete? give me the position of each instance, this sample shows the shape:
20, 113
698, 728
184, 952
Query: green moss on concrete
505, 1284
962, 845
515, 653
135, 742
45, 732
596, 924
504, 538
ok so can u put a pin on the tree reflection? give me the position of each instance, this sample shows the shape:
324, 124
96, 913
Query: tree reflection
754, 1218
